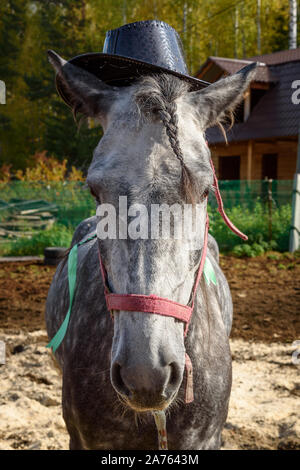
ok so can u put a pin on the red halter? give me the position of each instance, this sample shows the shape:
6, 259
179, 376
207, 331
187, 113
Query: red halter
160, 305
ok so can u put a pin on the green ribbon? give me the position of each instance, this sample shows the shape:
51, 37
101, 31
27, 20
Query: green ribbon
209, 273
72, 272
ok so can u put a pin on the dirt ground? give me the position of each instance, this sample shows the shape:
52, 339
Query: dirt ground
264, 407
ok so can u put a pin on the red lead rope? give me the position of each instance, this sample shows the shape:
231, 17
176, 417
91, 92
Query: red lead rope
221, 207
162, 306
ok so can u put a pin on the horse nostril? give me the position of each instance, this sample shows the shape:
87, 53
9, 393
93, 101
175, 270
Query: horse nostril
175, 375
117, 380
146, 387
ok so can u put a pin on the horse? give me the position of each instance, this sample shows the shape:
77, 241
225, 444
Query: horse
117, 371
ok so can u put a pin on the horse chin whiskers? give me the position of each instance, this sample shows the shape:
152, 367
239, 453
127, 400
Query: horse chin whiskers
176, 403
141, 409
140, 416
144, 408
123, 401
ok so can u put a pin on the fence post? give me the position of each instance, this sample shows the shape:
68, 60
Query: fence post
295, 226
2, 92
270, 200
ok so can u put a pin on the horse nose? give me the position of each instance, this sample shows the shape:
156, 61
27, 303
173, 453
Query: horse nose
146, 387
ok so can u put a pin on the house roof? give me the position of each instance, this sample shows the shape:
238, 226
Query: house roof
275, 114
279, 57
231, 66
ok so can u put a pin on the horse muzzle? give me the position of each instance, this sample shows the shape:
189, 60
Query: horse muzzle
146, 388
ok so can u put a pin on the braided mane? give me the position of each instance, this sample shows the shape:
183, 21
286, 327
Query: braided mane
156, 96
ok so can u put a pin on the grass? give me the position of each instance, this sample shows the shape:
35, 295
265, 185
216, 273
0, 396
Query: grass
58, 235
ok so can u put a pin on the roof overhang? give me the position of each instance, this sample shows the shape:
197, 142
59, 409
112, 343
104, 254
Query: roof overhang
216, 67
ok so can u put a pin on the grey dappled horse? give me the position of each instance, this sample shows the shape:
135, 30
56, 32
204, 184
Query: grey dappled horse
114, 373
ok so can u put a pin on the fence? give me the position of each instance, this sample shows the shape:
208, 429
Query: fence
248, 193
21, 203
28, 209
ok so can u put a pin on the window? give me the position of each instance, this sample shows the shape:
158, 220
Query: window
229, 168
269, 166
244, 109
256, 95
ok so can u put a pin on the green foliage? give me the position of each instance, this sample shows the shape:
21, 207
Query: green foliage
273, 256
63, 137
255, 224
58, 235
253, 250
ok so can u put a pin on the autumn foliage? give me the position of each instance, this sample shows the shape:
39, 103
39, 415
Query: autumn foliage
42, 169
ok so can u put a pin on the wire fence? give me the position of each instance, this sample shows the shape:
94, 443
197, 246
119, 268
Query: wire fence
247, 193
26, 206
33, 210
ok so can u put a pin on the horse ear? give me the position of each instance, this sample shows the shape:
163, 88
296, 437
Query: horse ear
215, 101
87, 94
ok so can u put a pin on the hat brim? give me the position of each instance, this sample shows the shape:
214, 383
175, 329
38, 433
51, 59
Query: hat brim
118, 70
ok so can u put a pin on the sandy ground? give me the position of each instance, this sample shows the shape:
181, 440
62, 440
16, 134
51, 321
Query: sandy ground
264, 409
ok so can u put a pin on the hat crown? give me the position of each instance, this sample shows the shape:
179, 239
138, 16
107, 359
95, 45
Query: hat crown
151, 41
134, 50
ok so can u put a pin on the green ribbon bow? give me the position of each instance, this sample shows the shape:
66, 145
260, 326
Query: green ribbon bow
72, 273
209, 273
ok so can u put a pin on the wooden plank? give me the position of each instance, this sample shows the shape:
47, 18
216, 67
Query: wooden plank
249, 159
39, 209
14, 234
18, 259
247, 104
25, 217
39, 216
20, 223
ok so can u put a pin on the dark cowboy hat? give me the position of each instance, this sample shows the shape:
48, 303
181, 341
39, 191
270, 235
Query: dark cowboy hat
134, 50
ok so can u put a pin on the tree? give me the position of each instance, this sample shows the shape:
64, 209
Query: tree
35, 119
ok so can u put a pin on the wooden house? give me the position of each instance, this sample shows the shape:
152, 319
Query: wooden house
263, 141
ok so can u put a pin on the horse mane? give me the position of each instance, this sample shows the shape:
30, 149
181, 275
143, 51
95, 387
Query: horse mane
156, 96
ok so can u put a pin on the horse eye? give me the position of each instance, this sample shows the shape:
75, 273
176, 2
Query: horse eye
205, 194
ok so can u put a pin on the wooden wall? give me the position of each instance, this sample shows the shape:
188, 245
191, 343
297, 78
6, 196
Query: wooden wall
285, 149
